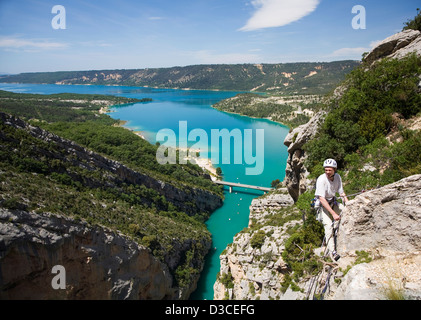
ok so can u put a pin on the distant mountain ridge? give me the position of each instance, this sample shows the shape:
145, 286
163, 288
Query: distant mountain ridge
304, 77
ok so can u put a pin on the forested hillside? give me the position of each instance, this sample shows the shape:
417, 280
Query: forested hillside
288, 78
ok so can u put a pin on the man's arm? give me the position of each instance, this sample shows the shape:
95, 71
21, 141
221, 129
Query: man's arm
326, 205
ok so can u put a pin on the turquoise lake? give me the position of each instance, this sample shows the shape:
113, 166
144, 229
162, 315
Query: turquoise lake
167, 109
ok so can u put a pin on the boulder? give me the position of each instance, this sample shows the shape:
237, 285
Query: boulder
385, 224
296, 173
388, 217
396, 46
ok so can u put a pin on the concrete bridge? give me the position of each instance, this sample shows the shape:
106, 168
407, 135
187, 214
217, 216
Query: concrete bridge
232, 184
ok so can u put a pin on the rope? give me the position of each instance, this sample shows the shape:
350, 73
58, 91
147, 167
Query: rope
332, 267
355, 194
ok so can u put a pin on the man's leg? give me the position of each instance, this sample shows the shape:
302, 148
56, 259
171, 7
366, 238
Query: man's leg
327, 224
335, 228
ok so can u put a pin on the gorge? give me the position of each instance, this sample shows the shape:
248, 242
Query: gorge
145, 265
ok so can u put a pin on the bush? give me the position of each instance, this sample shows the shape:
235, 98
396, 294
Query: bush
258, 239
414, 24
363, 113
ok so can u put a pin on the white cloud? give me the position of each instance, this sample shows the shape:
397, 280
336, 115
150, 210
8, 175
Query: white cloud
12, 42
277, 13
355, 52
344, 52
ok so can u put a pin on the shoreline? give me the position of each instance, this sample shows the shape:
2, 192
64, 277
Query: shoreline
204, 163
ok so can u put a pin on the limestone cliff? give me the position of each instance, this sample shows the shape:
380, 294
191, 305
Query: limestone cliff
99, 263
386, 223
296, 173
252, 266
396, 46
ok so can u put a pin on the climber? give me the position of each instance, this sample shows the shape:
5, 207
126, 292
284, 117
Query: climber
328, 209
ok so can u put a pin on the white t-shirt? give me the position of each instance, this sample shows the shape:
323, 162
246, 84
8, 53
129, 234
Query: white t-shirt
326, 188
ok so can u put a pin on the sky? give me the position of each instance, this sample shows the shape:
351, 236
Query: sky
70, 35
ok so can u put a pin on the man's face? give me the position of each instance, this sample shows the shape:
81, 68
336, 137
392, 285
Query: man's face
329, 172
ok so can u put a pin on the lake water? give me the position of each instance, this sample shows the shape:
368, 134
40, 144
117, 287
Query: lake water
193, 108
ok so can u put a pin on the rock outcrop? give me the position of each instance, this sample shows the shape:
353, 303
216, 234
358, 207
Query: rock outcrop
396, 46
98, 263
252, 267
386, 223
296, 173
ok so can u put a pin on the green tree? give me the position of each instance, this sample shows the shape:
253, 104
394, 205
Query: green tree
414, 24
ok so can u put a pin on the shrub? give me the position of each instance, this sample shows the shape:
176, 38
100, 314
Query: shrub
363, 113
258, 239
414, 24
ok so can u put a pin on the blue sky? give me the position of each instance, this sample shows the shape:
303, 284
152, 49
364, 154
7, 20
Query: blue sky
131, 34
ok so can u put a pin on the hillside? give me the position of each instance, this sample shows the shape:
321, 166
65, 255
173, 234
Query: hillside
80, 181
288, 78
291, 111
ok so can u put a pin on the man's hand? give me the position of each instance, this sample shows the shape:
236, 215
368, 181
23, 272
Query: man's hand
335, 216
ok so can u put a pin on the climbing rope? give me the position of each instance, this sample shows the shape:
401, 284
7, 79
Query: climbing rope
366, 190
327, 270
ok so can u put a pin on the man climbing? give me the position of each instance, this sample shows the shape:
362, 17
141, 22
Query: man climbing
329, 210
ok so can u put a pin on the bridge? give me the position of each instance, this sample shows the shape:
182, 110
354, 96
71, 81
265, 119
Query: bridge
232, 184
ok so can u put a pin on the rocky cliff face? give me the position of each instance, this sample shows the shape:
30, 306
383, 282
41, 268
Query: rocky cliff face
99, 263
252, 267
395, 46
386, 223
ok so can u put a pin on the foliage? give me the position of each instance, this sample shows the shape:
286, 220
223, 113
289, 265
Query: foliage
59, 107
415, 23
275, 183
262, 106
258, 239
226, 279
364, 112
298, 253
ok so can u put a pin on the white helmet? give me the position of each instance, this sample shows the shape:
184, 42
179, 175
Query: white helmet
330, 163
